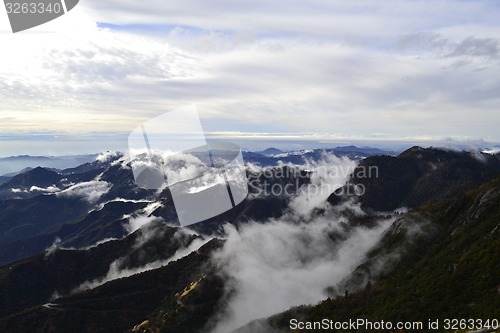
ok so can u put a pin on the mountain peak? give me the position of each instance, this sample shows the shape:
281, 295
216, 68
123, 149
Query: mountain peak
34, 177
419, 175
271, 151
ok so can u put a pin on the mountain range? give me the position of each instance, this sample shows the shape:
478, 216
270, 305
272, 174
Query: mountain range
14, 164
86, 250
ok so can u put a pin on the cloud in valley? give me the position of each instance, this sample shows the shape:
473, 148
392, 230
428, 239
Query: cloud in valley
149, 231
295, 259
275, 266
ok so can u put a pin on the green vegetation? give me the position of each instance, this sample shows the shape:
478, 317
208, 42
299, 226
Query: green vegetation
453, 270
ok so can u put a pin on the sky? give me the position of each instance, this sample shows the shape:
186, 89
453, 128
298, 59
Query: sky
319, 71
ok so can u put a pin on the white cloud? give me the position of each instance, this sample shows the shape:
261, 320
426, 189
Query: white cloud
328, 174
312, 18
293, 260
17, 190
106, 156
404, 68
136, 222
492, 151
90, 191
118, 270
55, 246
101, 205
142, 217
281, 264
96, 244
49, 189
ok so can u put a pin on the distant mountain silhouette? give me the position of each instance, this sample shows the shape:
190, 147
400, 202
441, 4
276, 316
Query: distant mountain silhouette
14, 164
270, 151
271, 156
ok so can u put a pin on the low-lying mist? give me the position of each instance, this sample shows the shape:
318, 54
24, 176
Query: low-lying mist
270, 266
119, 268
293, 260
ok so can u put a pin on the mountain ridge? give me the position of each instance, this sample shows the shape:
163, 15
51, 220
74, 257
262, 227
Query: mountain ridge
451, 269
417, 175
44, 291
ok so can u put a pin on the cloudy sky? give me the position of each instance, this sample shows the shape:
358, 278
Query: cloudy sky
320, 70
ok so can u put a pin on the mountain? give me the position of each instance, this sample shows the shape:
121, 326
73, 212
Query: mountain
119, 304
75, 254
36, 181
14, 164
12, 174
270, 151
438, 261
270, 160
89, 251
36, 280
38, 176
35, 204
93, 227
273, 156
416, 176
39, 201
360, 150
72, 214
4, 179
445, 264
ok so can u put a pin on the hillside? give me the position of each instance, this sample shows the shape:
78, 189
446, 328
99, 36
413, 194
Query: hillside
99, 254
418, 175
447, 266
